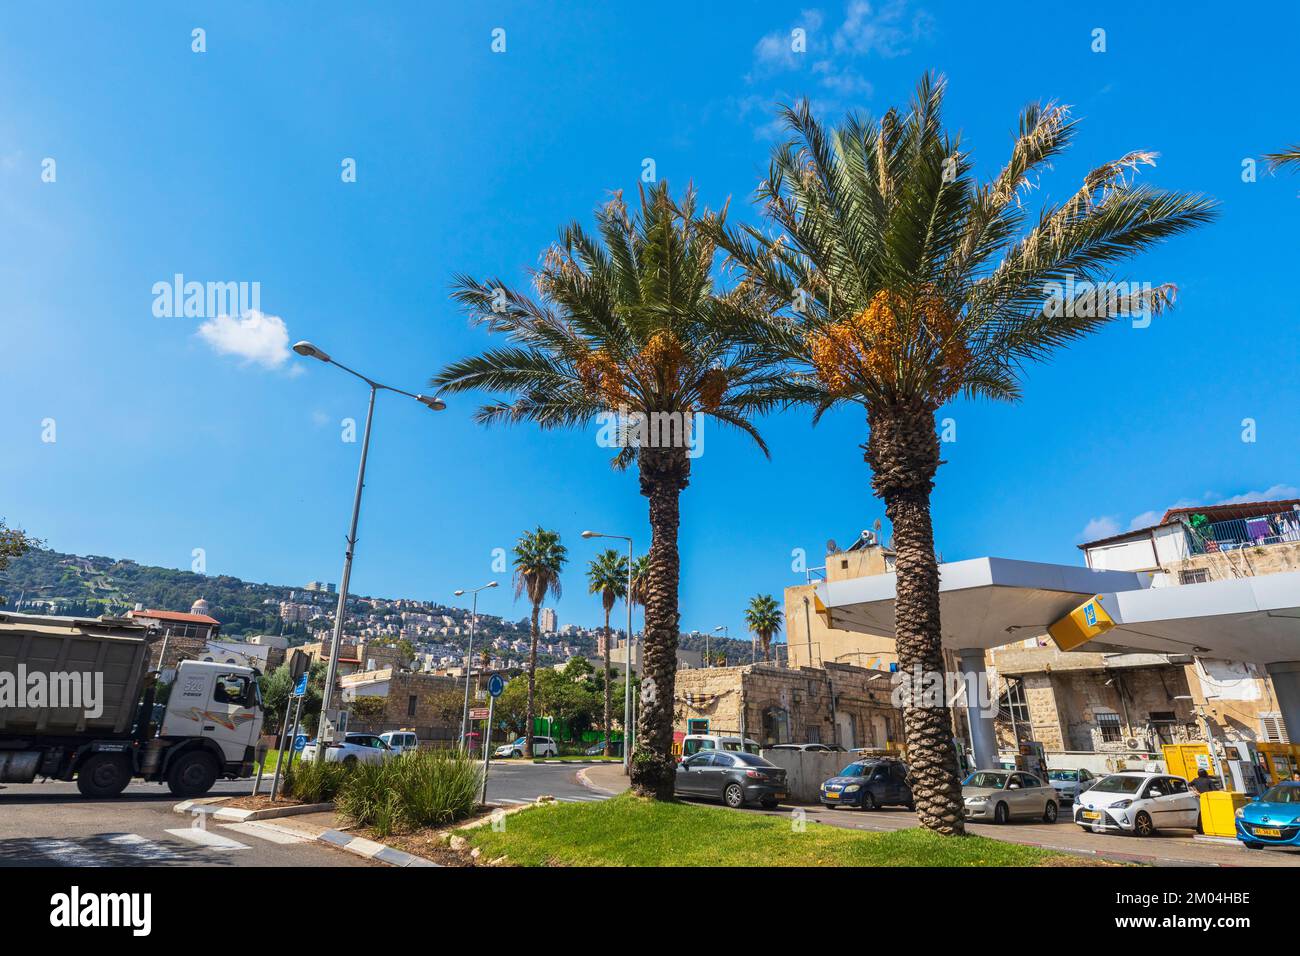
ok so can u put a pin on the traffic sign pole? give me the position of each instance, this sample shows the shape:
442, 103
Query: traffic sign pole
487, 734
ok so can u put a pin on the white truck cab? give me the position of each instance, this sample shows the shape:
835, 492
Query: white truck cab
221, 702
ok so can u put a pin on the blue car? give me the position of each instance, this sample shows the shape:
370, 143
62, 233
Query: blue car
1273, 819
869, 784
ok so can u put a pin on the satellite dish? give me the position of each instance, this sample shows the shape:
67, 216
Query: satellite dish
831, 546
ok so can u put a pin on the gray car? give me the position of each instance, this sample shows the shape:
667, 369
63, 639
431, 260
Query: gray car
1004, 795
734, 777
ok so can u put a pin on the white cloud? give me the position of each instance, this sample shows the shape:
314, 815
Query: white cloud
1268, 494
886, 31
1145, 520
256, 338
1098, 528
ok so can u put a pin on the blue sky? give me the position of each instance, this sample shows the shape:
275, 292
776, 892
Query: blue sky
226, 165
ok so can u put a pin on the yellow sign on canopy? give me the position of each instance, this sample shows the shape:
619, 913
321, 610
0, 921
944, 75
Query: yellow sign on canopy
1081, 625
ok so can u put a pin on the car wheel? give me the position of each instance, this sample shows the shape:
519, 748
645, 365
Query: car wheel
192, 775
868, 801
734, 796
516, 753
769, 804
103, 776
349, 761
1001, 814
1252, 846
1142, 825
1049, 813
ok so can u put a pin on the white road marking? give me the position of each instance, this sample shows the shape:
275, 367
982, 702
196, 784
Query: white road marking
264, 832
138, 846
207, 838
65, 852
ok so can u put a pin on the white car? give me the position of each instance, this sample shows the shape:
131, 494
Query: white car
542, 747
354, 748
401, 741
1138, 803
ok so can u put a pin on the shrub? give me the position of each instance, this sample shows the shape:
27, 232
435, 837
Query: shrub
313, 782
421, 789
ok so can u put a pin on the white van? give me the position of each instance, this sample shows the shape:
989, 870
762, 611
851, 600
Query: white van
401, 741
694, 743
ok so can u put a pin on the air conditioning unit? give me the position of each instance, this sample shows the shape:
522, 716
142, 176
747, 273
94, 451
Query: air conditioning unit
1133, 743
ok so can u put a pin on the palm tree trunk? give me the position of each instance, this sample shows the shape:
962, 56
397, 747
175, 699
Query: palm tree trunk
532, 684
903, 452
665, 473
609, 700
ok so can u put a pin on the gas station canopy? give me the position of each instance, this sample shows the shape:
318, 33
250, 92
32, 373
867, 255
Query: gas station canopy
988, 602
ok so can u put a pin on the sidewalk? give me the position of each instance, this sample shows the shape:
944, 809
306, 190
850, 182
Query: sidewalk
605, 778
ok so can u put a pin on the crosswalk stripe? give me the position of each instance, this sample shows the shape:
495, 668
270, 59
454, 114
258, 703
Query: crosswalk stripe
208, 838
264, 832
65, 852
138, 846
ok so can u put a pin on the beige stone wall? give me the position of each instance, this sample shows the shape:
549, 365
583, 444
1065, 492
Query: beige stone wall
437, 706
1245, 562
860, 714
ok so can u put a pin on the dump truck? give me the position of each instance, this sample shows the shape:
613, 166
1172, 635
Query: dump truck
77, 702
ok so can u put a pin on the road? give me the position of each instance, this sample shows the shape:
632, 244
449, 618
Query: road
50, 824
516, 782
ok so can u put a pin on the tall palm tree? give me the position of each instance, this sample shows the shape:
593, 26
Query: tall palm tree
607, 577
539, 558
625, 332
763, 617
893, 280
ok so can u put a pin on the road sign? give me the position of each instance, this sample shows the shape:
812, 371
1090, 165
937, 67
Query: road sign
300, 688
1081, 625
496, 685
299, 742
478, 713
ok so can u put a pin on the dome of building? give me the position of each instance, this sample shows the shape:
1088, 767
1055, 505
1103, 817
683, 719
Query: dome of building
199, 607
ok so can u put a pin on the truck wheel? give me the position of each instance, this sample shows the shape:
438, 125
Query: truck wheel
103, 775
192, 775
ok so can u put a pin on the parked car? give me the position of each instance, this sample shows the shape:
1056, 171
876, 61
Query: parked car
597, 749
542, 747
1138, 803
1068, 784
736, 778
806, 748
869, 784
1273, 819
401, 741
1004, 795
354, 748
694, 743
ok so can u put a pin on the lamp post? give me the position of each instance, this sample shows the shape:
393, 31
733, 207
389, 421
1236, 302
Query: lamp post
726, 633
469, 656
432, 402
627, 676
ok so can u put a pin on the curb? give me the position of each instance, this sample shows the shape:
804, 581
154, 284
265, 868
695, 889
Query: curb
573, 763
236, 815
372, 850
586, 782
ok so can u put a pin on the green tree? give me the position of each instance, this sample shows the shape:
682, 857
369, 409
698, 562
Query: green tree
627, 332
13, 544
607, 576
539, 558
893, 280
763, 617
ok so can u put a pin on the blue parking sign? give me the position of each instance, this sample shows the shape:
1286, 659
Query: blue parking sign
300, 688
1090, 614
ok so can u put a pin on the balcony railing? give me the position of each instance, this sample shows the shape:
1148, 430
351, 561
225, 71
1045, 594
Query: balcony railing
1237, 533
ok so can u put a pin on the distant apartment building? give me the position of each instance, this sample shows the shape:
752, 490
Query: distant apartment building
319, 587
548, 622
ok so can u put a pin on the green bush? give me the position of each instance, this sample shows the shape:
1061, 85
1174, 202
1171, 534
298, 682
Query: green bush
313, 782
421, 789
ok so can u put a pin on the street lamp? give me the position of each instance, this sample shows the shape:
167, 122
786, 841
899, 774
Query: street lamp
726, 633
429, 401
627, 677
469, 656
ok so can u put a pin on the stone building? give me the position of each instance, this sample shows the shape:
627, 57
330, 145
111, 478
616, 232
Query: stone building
428, 704
835, 704
809, 642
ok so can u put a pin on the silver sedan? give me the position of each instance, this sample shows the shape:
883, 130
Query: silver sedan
1003, 795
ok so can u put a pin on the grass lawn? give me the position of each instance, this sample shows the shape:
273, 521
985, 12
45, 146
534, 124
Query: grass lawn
631, 831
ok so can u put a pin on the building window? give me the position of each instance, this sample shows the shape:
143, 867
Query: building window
1013, 706
1162, 722
410, 706
1194, 576
1110, 728
1272, 729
